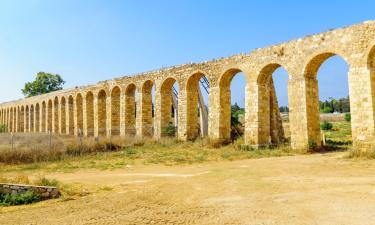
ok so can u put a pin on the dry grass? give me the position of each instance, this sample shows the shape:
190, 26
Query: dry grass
69, 153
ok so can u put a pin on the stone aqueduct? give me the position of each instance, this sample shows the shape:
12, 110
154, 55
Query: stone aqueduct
123, 106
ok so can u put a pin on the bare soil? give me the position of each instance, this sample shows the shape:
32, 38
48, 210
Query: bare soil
305, 189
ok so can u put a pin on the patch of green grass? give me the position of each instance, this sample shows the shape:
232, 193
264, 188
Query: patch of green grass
340, 135
22, 198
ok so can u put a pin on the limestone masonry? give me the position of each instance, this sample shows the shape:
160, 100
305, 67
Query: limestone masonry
43, 191
124, 106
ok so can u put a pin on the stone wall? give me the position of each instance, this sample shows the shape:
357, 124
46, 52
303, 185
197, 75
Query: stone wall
125, 107
43, 191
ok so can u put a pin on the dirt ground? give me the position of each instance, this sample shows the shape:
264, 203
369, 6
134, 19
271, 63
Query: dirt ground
308, 189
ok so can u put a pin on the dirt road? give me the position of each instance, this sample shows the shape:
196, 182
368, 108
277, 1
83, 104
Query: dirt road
309, 189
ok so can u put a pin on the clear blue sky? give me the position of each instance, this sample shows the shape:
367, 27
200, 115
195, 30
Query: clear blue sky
89, 41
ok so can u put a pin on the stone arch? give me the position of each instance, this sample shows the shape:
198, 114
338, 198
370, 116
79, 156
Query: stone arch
102, 113
370, 57
43, 117
371, 67
167, 111
32, 119
270, 128
192, 102
63, 115
115, 110
21, 119
56, 115
70, 118
14, 122
79, 116
27, 119
130, 110
49, 115
10, 123
310, 73
225, 103
37, 118
89, 128
145, 119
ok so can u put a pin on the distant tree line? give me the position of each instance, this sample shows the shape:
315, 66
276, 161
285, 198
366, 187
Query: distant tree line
331, 105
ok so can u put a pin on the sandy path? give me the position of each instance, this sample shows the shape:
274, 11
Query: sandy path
309, 189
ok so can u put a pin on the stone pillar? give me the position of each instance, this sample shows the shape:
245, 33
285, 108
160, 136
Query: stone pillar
96, 116
257, 114
123, 115
214, 114
35, 122
24, 118
186, 129
75, 117
129, 112
158, 110
109, 110
362, 104
67, 117
303, 113
85, 118
59, 118
144, 120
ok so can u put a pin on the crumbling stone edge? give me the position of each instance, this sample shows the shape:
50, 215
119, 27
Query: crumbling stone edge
44, 192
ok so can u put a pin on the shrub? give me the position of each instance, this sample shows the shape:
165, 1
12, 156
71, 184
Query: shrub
170, 130
327, 109
348, 117
22, 198
2, 128
326, 125
42, 181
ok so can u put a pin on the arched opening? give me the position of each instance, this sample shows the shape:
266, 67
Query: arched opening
371, 67
328, 100
102, 113
232, 105
21, 119
27, 119
49, 116
32, 118
70, 129
44, 117
272, 126
89, 114
79, 104
197, 90
130, 110
37, 117
56, 115
115, 111
11, 129
169, 107
63, 115
147, 109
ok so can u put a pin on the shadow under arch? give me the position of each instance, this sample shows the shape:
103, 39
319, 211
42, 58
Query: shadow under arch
194, 127
79, 108
271, 130
102, 112
130, 110
225, 120
146, 110
168, 107
115, 110
63, 115
310, 74
70, 115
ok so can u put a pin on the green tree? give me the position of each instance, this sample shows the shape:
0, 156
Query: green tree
43, 83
